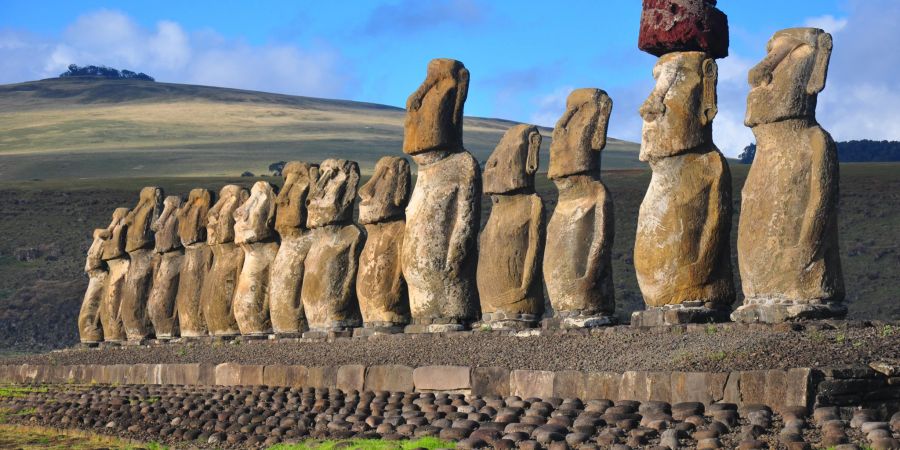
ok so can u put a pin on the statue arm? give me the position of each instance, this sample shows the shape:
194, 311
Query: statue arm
535, 240
822, 193
356, 246
718, 211
461, 233
602, 235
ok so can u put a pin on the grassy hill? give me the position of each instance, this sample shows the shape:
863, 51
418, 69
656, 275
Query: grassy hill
97, 128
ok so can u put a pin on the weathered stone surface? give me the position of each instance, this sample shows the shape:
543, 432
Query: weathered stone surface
192, 221
322, 377
531, 383
169, 257
380, 286
194, 267
392, 378
569, 384
682, 251
580, 134
161, 303
434, 118
683, 25
192, 216
703, 387
787, 236
254, 220
490, 381
287, 376
512, 242
601, 385
577, 260
139, 244
232, 374
442, 378
89, 328
442, 219
350, 377
217, 294
285, 303
110, 318
328, 292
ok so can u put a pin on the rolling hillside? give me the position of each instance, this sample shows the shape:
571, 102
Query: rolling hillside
96, 128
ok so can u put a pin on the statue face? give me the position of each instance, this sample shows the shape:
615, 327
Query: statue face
141, 218
166, 226
787, 82
514, 161
331, 200
220, 220
580, 134
114, 235
435, 110
386, 194
290, 213
192, 216
253, 220
678, 114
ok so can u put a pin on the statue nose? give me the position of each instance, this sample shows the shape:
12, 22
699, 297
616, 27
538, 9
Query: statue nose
652, 109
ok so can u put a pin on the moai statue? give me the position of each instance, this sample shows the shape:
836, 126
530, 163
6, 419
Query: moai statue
578, 256
511, 245
89, 329
439, 251
329, 277
139, 244
380, 287
192, 222
253, 232
285, 303
217, 294
112, 252
682, 252
787, 237
169, 255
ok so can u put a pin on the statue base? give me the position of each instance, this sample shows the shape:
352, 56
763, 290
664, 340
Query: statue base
501, 321
111, 344
433, 328
286, 335
379, 328
252, 337
89, 344
328, 333
771, 311
567, 320
687, 312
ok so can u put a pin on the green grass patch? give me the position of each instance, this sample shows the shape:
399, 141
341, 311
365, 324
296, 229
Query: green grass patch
20, 391
367, 444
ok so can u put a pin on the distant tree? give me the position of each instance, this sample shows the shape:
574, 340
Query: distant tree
248, 174
746, 156
276, 168
104, 72
850, 151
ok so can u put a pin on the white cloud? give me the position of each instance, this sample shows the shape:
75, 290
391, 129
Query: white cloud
827, 22
168, 52
550, 106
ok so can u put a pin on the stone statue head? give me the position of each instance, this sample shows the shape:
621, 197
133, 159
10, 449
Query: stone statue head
434, 112
220, 219
290, 215
331, 199
514, 162
166, 226
254, 219
192, 216
94, 258
386, 194
141, 218
786, 84
679, 113
580, 134
114, 236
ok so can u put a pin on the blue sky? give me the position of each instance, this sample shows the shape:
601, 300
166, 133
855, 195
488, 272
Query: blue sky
524, 57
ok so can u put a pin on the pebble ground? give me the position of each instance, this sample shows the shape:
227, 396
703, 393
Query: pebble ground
258, 417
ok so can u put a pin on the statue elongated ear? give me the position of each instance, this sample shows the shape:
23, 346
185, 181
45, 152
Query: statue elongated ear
271, 205
533, 159
401, 191
598, 140
820, 68
462, 91
709, 107
352, 183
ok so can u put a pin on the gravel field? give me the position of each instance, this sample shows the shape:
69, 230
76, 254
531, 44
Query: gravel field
261, 417
713, 348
